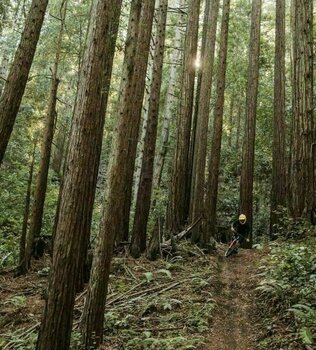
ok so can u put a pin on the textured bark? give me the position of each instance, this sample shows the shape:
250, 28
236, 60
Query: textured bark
138, 241
15, 84
302, 182
170, 103
26, 213
80, 177
112, 217
278, 191
179, 200
247, 171
41, 180
59, 151
199, 160
197, 99
214, 163
131, 102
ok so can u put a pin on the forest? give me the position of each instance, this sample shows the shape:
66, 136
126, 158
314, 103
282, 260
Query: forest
157, 175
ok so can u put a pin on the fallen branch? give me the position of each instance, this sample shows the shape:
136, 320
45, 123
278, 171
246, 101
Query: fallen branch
183, 233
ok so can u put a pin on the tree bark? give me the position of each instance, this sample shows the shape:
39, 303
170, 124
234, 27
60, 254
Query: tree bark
131, 102
199, 160
302, 182
247, 171
138, 241
179, 200
197, 99
137, 48
26, 213
81, 172
15, 84
214, 163
278, 191
170, 103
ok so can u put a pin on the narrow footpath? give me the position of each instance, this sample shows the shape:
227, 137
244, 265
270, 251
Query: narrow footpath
235, 326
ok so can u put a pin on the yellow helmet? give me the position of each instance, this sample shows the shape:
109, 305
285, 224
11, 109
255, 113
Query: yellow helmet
242, 218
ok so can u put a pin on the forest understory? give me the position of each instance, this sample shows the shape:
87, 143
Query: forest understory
187, 301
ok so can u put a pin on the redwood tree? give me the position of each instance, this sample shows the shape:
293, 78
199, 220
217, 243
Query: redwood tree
301, 171
80, 174
134, 69
138, 242
179, 187
278, 191
13, 91
247, 171
199, 160
41, 180
214, 163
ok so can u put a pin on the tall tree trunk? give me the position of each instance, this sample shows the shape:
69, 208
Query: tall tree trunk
247, 171
301, 186
15, 84
231, 121
199, 160
41, 180
3, 71
278, 191
214, 163
138, 242
81, 173
132, 103
59, 152
139, 28
179, 201
26, 212
197, 99
170, 103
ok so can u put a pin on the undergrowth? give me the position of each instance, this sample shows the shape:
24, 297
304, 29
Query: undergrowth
163, 305
287, 290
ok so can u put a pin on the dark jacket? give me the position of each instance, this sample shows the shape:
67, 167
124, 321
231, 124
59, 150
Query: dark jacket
241, 229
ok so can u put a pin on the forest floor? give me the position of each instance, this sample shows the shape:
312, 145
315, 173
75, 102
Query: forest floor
189, 301
236, 324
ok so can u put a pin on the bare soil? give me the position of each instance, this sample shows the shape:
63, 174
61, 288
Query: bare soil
235, 325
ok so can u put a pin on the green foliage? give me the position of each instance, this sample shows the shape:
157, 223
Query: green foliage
288, 287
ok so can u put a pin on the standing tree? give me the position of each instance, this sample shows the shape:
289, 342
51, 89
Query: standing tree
16, 81
199, 160
247, 171
214, 163
170, 100
131, 102
138, 242
301, 172
134, 70
41, 180
179, 188
278, 191
80, 177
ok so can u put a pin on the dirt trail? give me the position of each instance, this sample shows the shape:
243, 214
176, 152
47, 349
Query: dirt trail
234, 325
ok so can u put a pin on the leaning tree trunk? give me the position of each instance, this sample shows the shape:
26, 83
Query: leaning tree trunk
16, 81
247, 171
133, 78
179, 188
81, 173
26, 214
130, 115
302, 182
138, 242
214, 163
199, 159
278, 191
41, 180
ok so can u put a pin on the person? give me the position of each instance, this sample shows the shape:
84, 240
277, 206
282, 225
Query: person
241, 230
